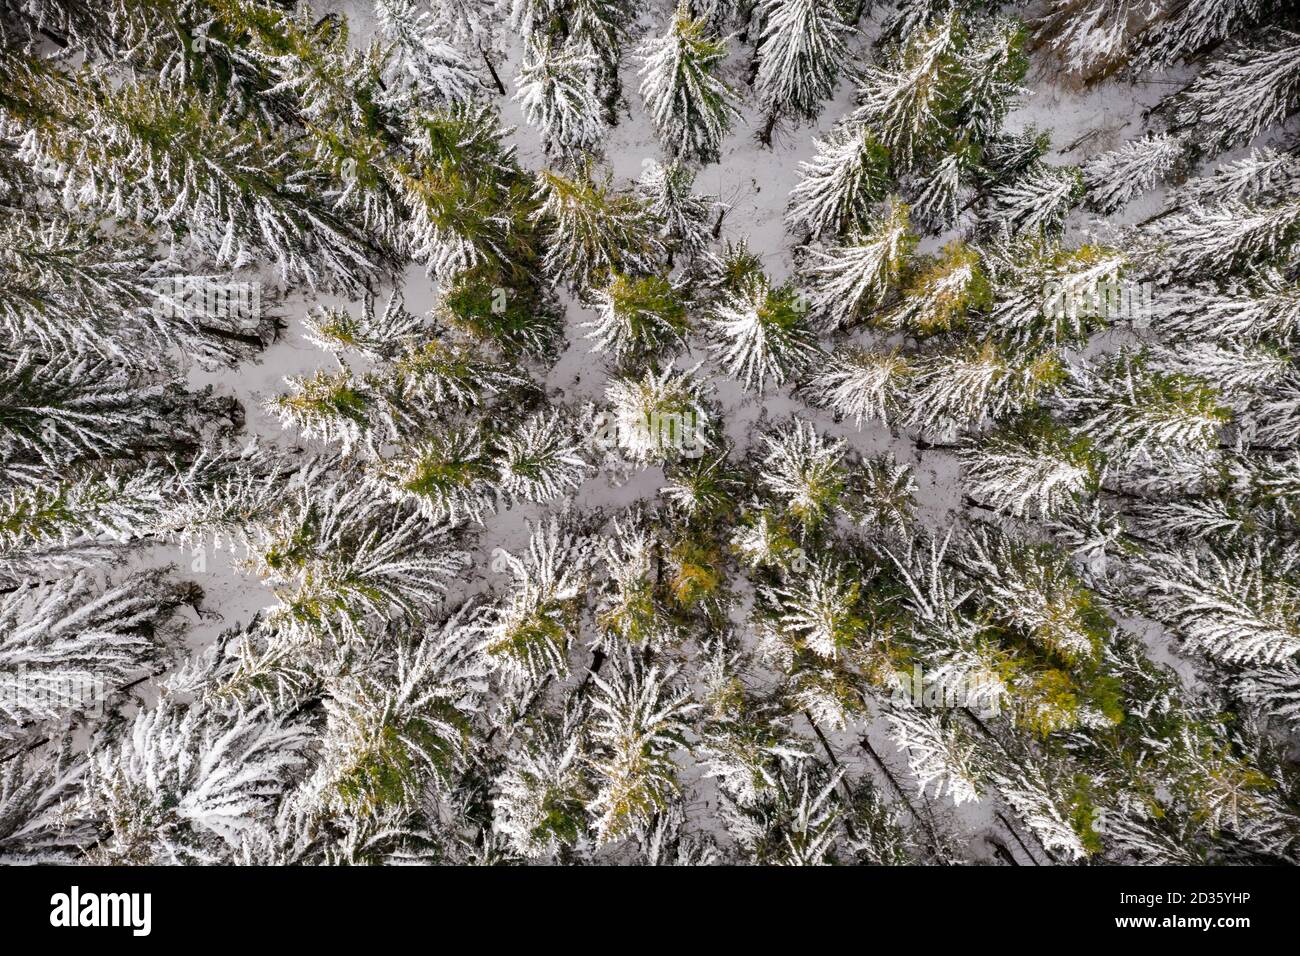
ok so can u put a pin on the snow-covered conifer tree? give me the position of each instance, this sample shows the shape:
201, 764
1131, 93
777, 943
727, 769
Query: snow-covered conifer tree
639, 720
1245, 92
1129, 408
1040, 199
395, 728
848, 277
941, 292
68, 646
1114, 178
1036, 504
558, 95
637, 316
692, 107
152, 803
450, 476
593, 228
960, 389
800, 54
527, 634
543, 791
939, 753
905, 103
819, 610
760, 333
1032, 465
422, 58
797, 823
540, 459
655, 416
805, 472
840, 184
863, 385
685, 216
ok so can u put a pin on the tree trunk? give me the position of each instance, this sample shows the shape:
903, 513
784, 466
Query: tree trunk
1007, 823
493, 70
865, 744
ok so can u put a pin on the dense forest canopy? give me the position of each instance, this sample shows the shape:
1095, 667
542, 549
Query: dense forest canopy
593, 431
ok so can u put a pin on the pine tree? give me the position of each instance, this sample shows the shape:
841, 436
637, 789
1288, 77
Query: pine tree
840, 185
863, 385
800, 54
760, 333
941, 292
805, 472
1044, 804
638, 316
683, 215
847, 278
227, 185
152, 803
543, 790
638, 722
797, 823
393, 729
938, 753
434, 372
991, 69
1130, 409
70, 288
1262, 173
422, 58
58, 410
558, 95
1115, 178
1034, 590
593, 228
35, 797
884, 494
1245, 92
819, 610
449, 476
460, 192
1039, 200
1031, 465
67, 647
340, 560
1092, 36
1051, 295
1227, 237
692, 108
1237, 609
647, 414
540, 460
1196, 25
632, 611
527, 634
701, 488
950, 188
511, 317
906, 103
332, 408
745, 739
964, 387
598, 28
